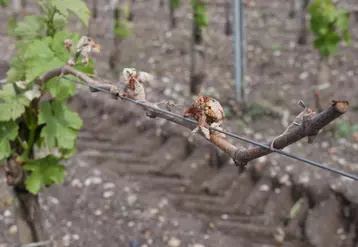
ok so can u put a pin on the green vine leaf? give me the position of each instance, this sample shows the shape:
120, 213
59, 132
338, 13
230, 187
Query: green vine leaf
39, 58
61, 127
37, 67
174, 4
32, 27
61, 89
8, 132
13, 105
200, 13
45, 171
78, 7
58, 47
67, 153
16, 71
59, 21
122, 27
329, 24
4, 3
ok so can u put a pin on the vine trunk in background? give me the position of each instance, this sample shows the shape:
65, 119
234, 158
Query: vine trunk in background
198, 57
173, 4
122, 30
330, 27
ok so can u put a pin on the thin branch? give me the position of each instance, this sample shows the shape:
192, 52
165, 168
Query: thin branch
310, 126
68, 70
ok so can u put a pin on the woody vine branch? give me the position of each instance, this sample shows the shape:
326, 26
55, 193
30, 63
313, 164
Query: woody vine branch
310, 123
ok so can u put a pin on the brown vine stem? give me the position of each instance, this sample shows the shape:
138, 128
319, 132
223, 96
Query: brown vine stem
310, 127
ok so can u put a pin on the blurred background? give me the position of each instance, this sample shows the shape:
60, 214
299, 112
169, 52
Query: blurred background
136, 181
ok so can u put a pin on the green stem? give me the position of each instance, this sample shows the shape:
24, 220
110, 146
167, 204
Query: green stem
32, 127
22, 143
50, 30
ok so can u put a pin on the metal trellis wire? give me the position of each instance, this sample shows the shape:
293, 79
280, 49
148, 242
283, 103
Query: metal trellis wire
310, 162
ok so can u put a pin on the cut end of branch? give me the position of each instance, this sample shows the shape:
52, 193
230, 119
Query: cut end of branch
341, 105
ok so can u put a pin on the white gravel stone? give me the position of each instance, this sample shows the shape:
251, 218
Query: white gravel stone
108, 194
165, 79
304, 179
108, 186
98, 212
161, 218
304, 75
66, 240
7, 213
325, 144
75, 236
264, 187
224, 216
93, 180
76, 183
153, 211
163, 202
174, 242
262, 159
131, 199
13, 230
53, 200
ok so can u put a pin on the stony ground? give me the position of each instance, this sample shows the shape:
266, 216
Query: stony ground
143, 182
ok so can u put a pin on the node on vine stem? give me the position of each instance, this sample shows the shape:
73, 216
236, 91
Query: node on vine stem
209, 113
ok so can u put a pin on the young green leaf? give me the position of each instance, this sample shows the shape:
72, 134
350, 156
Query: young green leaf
4, 3
329, 24
8, 132
39, 58
59, 22
58, 47
67, 153
61, 125
45, 171
16, 71
13, 105
78, 7
174, 4
200, 13
37, 67
123, 29
88, 69
32, 27
61, 89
